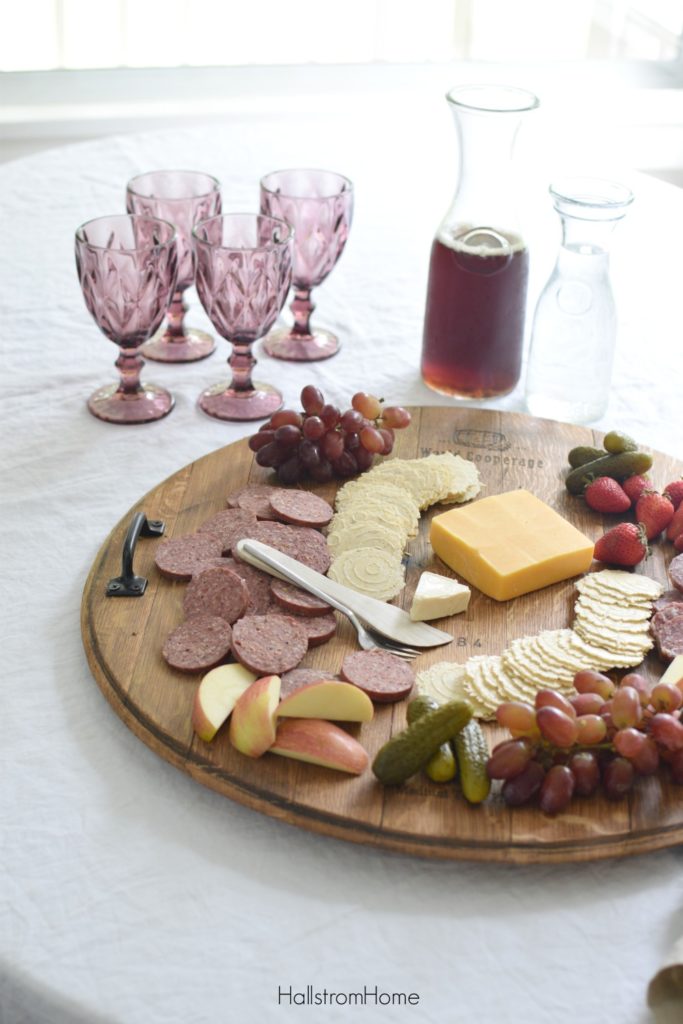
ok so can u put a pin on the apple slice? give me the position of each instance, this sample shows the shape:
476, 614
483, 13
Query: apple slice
252, 723
216, 696
320, 742
330, 699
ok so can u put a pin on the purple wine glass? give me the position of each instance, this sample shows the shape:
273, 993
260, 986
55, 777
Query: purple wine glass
319, 206
244, 270
183, 198
127, 267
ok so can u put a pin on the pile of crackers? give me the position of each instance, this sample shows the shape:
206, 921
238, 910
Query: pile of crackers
379, 512
610, 630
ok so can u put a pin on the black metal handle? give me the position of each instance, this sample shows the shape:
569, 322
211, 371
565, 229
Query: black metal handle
128, 584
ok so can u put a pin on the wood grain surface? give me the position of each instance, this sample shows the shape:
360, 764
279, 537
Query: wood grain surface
123, 639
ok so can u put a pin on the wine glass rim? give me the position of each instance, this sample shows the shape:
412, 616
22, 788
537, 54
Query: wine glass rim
80, 231
215, 184
493, 98
289, 231
599, 193
347, 183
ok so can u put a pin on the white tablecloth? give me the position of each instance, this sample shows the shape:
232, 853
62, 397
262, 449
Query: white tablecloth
129, 893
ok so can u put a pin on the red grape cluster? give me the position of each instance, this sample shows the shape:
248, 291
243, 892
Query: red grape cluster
607, 734
322, 442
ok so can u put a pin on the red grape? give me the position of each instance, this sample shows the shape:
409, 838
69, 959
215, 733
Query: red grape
272, 455
587, 703
364, 458
617, 778
371, 439
584, 767
665, 697
260, 440
388, 436
556, 727
332, 445
557, 788
313, 428
518, 717
588, 681
523, 787
290, 471
284, 416
640, 684
626, 709
395, 416
553, 699
322, 473
352, 421
667, 731
288, 435
591, 729
312, 400
352, 442
346, 464
330, 414
646, 761
367, 405
309, 453
629, 742
509, 759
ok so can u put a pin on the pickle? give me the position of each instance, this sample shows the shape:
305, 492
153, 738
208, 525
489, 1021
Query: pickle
472, 752
442, 765
584, 453
616, 442
408, 751
619, 466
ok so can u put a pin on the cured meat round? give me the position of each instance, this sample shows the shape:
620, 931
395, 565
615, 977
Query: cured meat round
668, 636
269, 644
302, 508
298, 677
319, 628
676, 572
258, 585
230, 525
669, 597
300, 542
254, 498
217, 591
296, 600
383, 676
198, 644
181, 557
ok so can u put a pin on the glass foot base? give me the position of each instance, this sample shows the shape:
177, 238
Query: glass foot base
194, 345
304, 348
225, 403
149, 403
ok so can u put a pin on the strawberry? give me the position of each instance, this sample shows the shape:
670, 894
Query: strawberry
605, 495
624, 544
654, 511
635, 485
675, 527
674, 492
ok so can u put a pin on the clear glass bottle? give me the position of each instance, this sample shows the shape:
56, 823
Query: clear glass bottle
476, 294
574, 328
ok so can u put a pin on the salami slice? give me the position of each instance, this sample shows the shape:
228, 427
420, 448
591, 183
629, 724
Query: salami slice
269, 644
254, 498
298, 677
181, 557
302, 508
676, 572
296, 600
198, 644
319, 628
217, 591
300, 542
230, 525
258, 585
669, 636
383, 676
668, 597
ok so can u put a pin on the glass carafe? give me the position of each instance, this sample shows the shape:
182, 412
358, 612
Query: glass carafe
476, 294
574, 329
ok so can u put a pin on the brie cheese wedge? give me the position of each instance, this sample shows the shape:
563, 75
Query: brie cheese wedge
437, 596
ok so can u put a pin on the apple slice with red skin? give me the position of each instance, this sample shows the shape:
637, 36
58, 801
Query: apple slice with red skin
252, 723
329, 699
216, 696
320, 742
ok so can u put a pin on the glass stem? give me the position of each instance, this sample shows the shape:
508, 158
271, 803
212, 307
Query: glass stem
241, 362
129, 364
301, 308
175, 327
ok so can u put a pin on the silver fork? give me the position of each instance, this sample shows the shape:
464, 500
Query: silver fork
368, 638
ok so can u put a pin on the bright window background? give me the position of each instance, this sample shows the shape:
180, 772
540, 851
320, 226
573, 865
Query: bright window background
79, 34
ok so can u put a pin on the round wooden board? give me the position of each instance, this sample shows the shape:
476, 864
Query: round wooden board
123, 639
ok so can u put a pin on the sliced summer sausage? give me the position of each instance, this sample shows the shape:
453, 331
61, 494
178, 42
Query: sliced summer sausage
676, 572
296, 600
269, 644
298, 677
258, 585
383, 676
254, 498
319, 628
300, 542
217, 591
669, 637
181, 557
198, 644
301, 508
230, 525
667, 598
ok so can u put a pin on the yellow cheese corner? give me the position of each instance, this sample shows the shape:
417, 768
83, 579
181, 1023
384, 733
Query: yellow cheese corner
510, 544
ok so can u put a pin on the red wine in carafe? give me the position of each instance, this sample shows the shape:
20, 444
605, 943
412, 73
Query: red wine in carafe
474, 317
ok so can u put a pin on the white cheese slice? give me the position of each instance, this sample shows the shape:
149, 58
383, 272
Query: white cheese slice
437, 596
674, 672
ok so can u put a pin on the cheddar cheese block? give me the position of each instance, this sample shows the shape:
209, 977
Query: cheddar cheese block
510, 544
